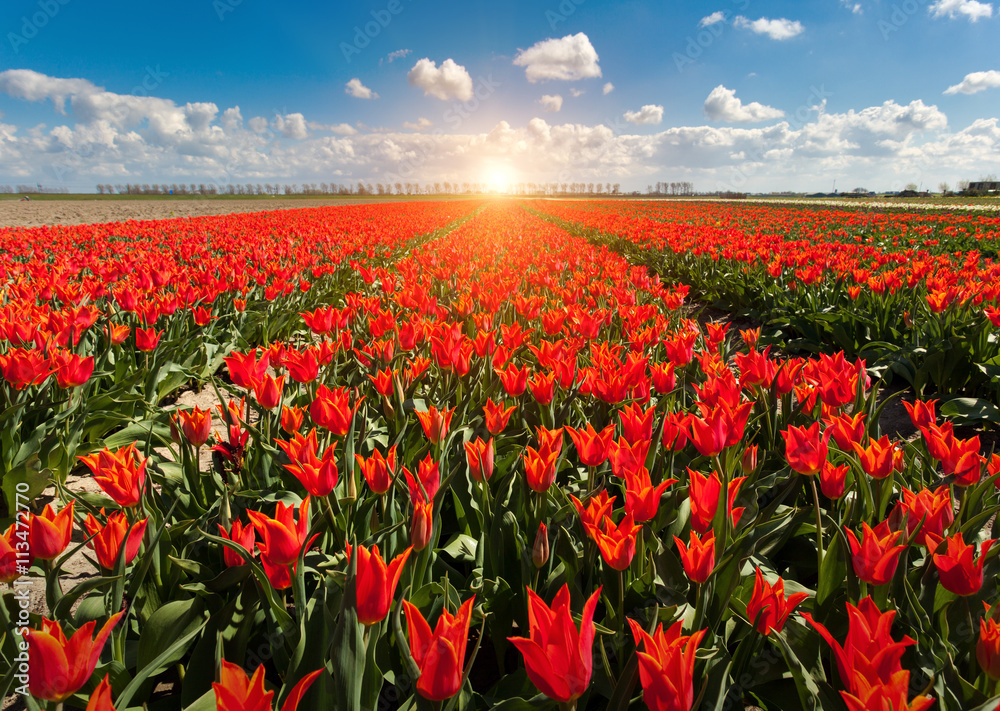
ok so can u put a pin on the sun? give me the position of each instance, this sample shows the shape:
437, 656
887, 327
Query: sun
498, 178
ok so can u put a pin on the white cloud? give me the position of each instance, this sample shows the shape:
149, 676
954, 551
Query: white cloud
569, 58
550, 102
420, 125
780, 29
972, 9
575, 93
854, 7
358, 90
715, 17
451, 80
291, 126
976, 82
398, 54
722, 104
341, 129
648, 114
106, 137
608, 88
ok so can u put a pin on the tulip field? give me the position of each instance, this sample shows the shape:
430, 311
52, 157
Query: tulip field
477, 454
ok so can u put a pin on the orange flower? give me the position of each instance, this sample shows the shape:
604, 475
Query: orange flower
699, 559
539, 468
59, 667
557, 656
440, 655
378, 470
100, 700
331, 409
988, 646
292, 418
107, 540
425, 485
196, 425
616, 543
121, 474
479, 456
12, 565
704, 493
146, 339
876, 458
268, 391
957, 570
244, 536
642, 499
235, 691
768, 608
422, 524
805, 448
593, 447
282, 536
876, 556
666, 666
435, 423
50, 532
71, 369
832, 480
496, 416
317, 474
376, 583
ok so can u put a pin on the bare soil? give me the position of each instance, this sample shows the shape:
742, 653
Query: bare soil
37, 213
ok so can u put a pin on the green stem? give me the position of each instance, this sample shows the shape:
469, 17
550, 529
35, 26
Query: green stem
819, 526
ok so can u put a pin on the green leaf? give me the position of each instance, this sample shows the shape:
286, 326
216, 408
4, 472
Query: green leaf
970, 408
172, 620
461, 547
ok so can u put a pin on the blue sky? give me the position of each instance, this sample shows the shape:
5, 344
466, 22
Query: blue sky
734, 94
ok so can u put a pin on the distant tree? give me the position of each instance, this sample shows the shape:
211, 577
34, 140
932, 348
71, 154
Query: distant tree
962, 185
911, 186
944, 188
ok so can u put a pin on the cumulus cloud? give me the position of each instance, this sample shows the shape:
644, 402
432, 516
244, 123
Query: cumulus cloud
358, 90
569, 58
971, 9
608, 88
291, 126
779, 29
723, 105
398, 54
715, 17
648, 114
420, 125
550, 102
976, 82
450, 80
106, 137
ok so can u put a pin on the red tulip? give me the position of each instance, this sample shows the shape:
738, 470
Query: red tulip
593, 447
435, 423
422, 524
768, 608
292, 418
107, 540
440, 654
72, 370
479, 456
146, 339
675, 431
331, 409
317, 474
235, 691
876, 556
988, 646
496, 416
699, 559
637, 426
268, 391
540, 549
16, 539
558, 657
934, 508
121, 474
847, 430
244, 536
376, 582
282, 537
100, 700
704, 493
642, 499
59, 667
616, 543
428, 480
877, 457
957, 570
49, 532
378, 470
196, 425
805, 448
832, 480
666, 666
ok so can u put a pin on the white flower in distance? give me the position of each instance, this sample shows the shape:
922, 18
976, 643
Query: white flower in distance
358, 90
648, 114
723, 105
450, 80
569, 58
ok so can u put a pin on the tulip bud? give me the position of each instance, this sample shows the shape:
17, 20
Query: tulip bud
749, 461
422, 525
540, 551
